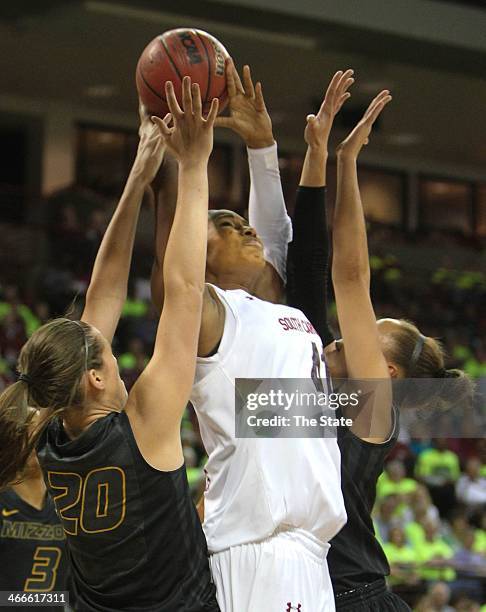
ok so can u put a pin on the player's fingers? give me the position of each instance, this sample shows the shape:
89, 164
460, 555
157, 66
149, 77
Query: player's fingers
377, 99
378, 108
213, 111
370, 111
345, 86
342, 100
247, 82
196, 100
259, 99
310, 118
164, 129
230, 78
186, 95
172, 103
167, 119
330, 95
238, 83
345, 81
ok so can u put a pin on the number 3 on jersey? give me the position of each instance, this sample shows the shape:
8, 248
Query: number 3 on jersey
44, 570
92, 504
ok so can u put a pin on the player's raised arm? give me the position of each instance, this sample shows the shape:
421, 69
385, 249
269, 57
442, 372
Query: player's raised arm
107, 289
308, 257
351, 274
158, 399
267, 213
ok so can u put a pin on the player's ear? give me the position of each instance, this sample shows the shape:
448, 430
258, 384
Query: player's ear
393, 370
95, 380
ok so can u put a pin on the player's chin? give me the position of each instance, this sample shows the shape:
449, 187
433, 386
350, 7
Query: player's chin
253, 251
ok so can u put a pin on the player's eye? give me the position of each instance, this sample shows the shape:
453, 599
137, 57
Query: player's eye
226, 224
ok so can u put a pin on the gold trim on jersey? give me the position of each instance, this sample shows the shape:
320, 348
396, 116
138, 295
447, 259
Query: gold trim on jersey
44, 569
77, 489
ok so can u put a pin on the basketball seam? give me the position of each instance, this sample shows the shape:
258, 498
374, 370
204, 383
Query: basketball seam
170, 59
150, 86
209, 67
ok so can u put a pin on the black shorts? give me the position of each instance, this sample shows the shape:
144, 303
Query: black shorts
373, 597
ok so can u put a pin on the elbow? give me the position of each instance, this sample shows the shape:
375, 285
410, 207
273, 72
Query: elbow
192, 290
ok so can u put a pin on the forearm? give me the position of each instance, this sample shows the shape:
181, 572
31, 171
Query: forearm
350, 245
314, 168
112, 264
308, 260
266, 210
185, 257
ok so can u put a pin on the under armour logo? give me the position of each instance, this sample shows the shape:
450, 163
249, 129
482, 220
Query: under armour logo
291, 607
248, 297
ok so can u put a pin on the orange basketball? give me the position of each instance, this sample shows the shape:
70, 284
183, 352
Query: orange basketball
174, 55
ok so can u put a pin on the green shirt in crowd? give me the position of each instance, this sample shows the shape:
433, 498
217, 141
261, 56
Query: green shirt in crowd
385, 486
426, 551
400, 555
437, 466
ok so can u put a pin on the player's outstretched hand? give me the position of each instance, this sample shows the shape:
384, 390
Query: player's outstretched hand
151, 147
248, 114
190, 139
352, 145
319, 126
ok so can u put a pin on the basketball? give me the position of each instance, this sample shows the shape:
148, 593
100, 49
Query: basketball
174, 55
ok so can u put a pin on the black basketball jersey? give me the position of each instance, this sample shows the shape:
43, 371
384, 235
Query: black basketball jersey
356, 557
32, 547
135, 541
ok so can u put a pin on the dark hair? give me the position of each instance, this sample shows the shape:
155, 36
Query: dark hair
424, 357
51, 364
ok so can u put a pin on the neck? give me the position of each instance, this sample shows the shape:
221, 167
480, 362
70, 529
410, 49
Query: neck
32, 490
77, 420
230, 281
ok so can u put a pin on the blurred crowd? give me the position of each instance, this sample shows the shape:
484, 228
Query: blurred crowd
430, 511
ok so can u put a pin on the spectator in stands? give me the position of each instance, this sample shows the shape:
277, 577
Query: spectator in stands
471, 486
438, 468
462, 603
402, 559
480, 536
386, 517
436, 599
133, 362
434, 555
470, 567
456, 528
13, 336
422, 511
393, 481
12, 302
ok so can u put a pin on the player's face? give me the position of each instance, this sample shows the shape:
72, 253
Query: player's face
232, 244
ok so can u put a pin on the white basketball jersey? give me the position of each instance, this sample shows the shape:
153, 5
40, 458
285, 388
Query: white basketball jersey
256, 486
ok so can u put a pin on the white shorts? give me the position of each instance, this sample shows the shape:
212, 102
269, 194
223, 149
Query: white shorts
285, 573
